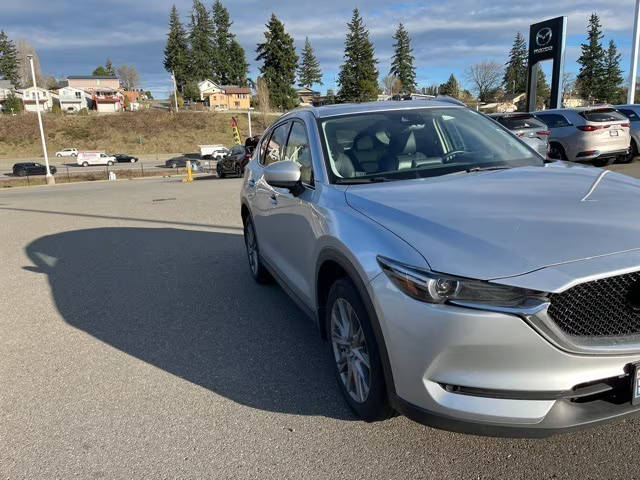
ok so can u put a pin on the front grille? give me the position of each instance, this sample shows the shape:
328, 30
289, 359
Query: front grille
602, 308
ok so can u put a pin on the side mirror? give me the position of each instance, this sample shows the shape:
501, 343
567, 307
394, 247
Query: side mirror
283, 174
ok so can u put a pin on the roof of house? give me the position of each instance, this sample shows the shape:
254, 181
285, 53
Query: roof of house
92, 77
237, 90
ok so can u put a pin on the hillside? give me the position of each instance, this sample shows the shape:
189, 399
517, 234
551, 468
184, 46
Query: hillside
159, 131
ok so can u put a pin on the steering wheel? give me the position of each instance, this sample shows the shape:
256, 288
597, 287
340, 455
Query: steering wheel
447, 157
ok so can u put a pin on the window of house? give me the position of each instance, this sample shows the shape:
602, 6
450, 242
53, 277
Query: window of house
237, 104
78, 95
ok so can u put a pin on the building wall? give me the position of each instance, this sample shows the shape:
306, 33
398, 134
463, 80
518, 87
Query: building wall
229, 101
28, 99
107, 107
84, 83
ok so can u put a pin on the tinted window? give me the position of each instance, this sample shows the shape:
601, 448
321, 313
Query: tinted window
418, 143
519, 122
602, 115
298, 152
630, 114
273, 151
554, 120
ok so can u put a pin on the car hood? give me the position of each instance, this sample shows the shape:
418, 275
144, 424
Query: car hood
496, 224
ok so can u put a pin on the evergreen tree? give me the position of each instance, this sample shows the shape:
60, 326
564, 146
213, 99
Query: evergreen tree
108, 66
609, 90
309, 72
358, 77
450, 87
176, 52
222, 38
591, 66
515, 75
201, 32
280, 62
100, 70
543, 91
402, 63
239, 68
9, 65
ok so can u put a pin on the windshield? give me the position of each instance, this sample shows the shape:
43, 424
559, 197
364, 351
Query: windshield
418, 143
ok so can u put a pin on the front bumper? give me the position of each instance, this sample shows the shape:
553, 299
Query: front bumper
491, 373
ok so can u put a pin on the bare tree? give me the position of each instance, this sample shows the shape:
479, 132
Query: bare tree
129, 77
485, 76
568, 83
391, 85
263, 100
25, 48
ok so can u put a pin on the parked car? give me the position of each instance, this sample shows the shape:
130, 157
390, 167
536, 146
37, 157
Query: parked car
124, 158
67, 152
599, 135
215, 152
237, 159
31, 168
459, 278
526, 126
181, 162
632, 112
94, 158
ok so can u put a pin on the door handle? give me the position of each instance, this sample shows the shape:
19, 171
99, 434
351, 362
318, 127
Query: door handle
274, 198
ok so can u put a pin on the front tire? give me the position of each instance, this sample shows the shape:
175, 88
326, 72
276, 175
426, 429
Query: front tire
355, 353
256, 267
85, 164
133, 160
110, 163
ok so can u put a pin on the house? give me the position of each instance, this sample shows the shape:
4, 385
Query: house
505, 103
29, 99
92, 82
224, 97
73, 99
107, 100
6, 89
306, 96
570, 102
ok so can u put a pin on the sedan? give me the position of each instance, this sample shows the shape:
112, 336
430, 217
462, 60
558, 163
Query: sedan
180, 162
123, 158
67, 152
31, 168
458, 278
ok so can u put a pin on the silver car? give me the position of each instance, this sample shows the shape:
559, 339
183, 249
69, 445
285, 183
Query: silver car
632, 112
459, 278
526, 126
599, 135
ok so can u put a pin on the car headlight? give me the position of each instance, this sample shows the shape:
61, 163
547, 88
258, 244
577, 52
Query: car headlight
432, 287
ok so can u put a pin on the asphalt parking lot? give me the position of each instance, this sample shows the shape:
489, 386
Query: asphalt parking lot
135, 345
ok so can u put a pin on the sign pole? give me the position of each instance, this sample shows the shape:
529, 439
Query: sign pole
634, 54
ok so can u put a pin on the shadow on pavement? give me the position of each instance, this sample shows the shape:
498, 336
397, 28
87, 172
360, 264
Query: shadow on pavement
183, 301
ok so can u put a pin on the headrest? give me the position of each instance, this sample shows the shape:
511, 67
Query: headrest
405, 144
364, 143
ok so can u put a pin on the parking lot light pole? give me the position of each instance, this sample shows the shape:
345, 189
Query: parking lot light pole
175, 89
634, 54
49, 178
249, 115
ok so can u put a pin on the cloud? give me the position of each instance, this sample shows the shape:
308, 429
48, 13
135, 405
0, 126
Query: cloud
74, 37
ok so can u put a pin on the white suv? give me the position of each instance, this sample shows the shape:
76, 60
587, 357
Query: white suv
67, 152
599, 135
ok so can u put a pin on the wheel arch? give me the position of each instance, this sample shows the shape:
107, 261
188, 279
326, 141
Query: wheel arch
331, 266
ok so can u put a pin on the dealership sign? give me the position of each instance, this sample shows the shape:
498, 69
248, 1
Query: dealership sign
547, 42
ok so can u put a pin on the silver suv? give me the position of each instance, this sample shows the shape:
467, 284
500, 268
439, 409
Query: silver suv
599, 135
459, 278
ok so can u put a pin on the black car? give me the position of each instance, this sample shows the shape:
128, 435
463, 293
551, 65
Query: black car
31, 168
237, 158
124, 158
180, 162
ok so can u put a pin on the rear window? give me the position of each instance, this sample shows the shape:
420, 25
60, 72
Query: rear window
602, 115
554, 120
520, 122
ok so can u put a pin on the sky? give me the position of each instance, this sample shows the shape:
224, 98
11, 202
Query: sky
73, 37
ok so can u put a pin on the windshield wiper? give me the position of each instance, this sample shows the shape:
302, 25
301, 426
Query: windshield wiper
485, 169
357, 181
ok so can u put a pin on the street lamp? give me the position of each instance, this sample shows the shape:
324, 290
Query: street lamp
631, 95
249, 114
49, 178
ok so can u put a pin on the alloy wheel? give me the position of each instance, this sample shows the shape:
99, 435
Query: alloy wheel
350, 350
252, 248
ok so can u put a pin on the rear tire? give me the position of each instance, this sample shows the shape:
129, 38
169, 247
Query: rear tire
556, 151
110, 163
85, 164
256, 267
21, 173
133, 160
355, 354
220, 172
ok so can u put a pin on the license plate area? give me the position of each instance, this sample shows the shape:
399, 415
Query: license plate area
614, 133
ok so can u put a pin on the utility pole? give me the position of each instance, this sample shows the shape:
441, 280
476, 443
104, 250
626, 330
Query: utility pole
49, 178
249, 114
634, 54
175, 89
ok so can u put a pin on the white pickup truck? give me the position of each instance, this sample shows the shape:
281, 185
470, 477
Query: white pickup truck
215, 152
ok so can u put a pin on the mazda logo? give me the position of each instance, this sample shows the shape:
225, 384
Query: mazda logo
633, 297
543, 37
